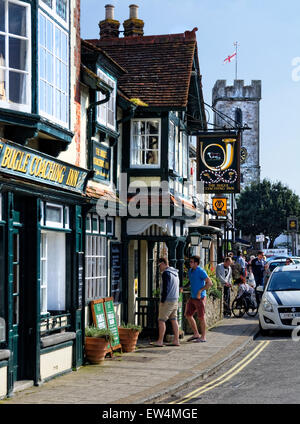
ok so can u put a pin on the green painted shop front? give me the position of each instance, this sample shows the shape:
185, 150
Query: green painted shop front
42, 273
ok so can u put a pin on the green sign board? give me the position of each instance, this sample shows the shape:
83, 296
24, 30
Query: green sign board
111, 320
29, 164
100, 161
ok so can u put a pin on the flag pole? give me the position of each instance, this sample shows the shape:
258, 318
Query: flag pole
236, 58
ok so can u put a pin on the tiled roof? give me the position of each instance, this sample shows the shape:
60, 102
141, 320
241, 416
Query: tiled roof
158, 67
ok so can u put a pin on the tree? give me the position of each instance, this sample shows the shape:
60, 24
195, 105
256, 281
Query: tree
263, 208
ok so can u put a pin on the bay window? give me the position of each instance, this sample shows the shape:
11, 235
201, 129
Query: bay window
106, 113
53, 70
15, 55
145, 143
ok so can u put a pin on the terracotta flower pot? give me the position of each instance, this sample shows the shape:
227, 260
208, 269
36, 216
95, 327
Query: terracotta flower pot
95, 349
128, 339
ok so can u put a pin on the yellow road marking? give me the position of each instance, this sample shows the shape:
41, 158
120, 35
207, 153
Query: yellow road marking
227, 375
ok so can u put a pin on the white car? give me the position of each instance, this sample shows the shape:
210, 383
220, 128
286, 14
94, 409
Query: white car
279, 308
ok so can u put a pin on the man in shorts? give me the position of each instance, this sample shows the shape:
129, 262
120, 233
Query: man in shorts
169, 302
199, 282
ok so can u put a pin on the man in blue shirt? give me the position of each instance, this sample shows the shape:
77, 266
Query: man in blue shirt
199, 282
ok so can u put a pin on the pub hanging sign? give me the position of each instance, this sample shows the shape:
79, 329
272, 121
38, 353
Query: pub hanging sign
101, 161
19, 161
219, 162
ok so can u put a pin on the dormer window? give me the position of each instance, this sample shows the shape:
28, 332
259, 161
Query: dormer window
145, 143
15, 55
106, 113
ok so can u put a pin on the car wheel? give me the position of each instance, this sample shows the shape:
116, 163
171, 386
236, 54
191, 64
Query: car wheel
262, 331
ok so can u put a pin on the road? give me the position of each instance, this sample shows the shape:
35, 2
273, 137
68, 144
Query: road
267, 372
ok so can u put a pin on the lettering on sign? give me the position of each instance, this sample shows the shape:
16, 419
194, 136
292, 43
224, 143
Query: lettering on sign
21, 161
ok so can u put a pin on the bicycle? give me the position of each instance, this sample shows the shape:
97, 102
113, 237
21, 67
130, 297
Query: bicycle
244, 304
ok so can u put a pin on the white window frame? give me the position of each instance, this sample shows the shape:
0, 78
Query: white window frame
185, 154
55, 88
96, 275
52, 12
133, 149
65, 216
5, 69
102, 110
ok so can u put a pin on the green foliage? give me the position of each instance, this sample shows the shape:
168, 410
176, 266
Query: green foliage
131, 327
105, 333
264, 207
215, 291
156, 292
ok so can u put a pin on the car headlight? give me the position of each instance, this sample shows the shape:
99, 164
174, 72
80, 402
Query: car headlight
267, 305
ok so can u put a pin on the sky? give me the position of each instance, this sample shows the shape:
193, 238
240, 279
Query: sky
268, 33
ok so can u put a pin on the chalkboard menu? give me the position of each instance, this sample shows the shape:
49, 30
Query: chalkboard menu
116, 275
80, 278
104, 317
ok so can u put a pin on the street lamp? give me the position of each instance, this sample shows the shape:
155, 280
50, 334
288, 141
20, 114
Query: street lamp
206, 242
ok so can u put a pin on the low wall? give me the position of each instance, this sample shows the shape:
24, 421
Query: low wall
213, 310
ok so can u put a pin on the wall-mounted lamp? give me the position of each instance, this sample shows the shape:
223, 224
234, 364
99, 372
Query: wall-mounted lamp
206, 242
195, 239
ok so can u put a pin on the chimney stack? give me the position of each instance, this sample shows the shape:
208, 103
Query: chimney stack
133, 26
109, 28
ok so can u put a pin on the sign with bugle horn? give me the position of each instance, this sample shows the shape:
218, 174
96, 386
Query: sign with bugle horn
219, 162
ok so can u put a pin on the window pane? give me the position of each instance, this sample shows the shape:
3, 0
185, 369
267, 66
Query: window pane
17, 19
56, 271
49, 99
49, 68
57, 42
61, 8
48, 2
17, 84
64, 47
42, 94
17, 53
2, 16
49, 35
42, 29
54, 214
152, 127
2, 50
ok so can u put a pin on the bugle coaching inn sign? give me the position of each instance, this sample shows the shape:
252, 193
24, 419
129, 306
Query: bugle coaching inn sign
219, 162
20, 161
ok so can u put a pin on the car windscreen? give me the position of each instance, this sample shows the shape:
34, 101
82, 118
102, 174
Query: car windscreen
284, 280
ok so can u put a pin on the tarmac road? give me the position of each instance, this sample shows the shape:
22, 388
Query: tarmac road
268, 371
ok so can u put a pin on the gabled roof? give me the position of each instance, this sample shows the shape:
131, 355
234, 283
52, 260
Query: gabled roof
159, 67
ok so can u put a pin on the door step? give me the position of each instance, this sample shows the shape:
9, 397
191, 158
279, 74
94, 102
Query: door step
22, 385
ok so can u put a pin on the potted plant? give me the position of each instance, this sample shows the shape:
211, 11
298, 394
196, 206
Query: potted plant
96, 342
128, 335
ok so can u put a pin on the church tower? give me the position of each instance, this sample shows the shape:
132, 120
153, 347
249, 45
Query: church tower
241, 103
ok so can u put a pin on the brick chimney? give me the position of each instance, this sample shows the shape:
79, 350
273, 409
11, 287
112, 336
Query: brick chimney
133, 26
109, 28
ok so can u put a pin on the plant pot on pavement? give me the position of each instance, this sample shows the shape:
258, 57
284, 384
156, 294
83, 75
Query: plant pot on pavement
96, 342
128, 336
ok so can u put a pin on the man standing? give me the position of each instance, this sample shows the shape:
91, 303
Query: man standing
200, 282
224, 275
258, 267
169, 302
241, 261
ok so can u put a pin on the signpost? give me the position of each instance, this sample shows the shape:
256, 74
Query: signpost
292, 227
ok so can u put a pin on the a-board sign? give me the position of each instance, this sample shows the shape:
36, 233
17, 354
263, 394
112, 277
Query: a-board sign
111, 320
116, 260
104, 317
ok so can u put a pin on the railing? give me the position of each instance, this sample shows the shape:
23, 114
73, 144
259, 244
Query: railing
54, 323
147, 313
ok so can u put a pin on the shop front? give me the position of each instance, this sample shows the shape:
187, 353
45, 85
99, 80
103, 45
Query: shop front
42, 217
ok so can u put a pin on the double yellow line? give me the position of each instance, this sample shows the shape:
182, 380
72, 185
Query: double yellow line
226, 376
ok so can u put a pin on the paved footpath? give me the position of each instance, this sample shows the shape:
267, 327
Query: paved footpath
146, 375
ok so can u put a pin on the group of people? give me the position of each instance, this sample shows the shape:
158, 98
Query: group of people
248, 275
199, 283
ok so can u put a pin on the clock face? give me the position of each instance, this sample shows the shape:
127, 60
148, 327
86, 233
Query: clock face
244, 154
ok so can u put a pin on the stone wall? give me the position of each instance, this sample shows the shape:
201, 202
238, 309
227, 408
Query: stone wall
214, 311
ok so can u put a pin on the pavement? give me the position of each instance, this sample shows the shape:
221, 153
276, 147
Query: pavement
147, 375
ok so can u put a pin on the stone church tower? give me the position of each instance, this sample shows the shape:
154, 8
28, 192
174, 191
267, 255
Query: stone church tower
241, 103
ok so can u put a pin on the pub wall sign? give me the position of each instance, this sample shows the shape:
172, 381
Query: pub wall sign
219, 163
